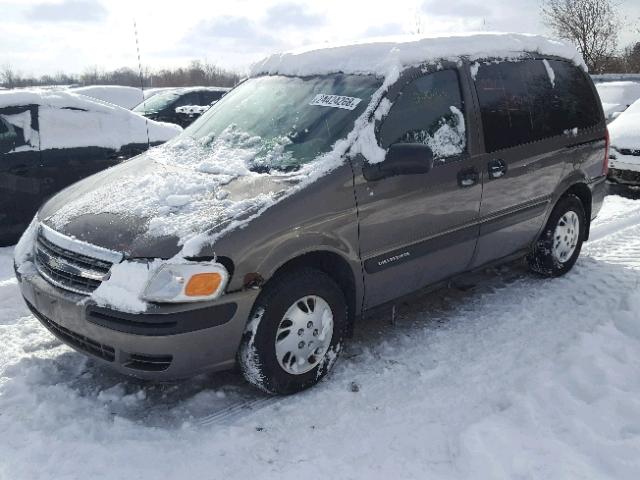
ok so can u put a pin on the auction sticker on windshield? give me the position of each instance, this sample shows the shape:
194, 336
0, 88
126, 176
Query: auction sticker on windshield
336, 101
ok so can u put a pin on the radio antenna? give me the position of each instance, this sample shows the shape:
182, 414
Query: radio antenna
144, 100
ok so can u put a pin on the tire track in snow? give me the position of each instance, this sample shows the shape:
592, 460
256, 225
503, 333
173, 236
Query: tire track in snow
613, 238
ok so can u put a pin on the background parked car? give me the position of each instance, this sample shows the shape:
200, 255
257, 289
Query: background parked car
51, 139
162, 107
624, 159
617, 96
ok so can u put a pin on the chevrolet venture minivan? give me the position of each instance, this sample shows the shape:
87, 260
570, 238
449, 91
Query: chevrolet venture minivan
313, 192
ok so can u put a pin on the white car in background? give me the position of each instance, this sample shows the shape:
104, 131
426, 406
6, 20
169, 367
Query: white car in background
617, 96
624, 154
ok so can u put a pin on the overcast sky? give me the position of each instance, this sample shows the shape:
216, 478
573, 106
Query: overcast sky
71, 35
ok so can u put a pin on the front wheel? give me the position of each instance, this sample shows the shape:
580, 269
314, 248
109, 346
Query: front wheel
295, 333
559, 246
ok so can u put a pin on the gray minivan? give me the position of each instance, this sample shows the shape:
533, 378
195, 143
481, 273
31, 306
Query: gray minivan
311, 193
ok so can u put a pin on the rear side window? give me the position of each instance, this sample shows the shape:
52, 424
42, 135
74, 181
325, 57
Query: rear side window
526, 101
577, 103
191, 98
209, 97
11, 133
429, 111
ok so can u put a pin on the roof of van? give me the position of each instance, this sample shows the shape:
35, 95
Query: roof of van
384, 56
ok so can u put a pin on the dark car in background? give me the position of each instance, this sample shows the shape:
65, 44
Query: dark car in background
51, 139
167, 106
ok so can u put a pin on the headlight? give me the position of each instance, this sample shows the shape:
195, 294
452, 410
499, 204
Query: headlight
195, 282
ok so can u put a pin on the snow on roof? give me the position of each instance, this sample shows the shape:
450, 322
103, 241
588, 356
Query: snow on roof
384, 56
195, 89
126, 97
53, 98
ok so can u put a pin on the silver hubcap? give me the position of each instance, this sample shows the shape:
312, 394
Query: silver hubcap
565, 236
304, 335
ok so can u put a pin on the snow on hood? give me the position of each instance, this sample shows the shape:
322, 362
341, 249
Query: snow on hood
70, 120
186, 187
625, 130
379, 57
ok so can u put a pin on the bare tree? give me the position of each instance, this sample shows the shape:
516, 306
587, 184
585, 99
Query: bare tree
8, 76
592, 25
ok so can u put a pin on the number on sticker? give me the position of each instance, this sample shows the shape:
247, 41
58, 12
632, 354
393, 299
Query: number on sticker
335, 101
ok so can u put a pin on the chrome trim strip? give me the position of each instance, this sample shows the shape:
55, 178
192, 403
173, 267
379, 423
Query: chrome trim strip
64, 265
79, 246
55, 283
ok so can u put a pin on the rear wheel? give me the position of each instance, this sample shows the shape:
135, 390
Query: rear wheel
295, 333
559, 246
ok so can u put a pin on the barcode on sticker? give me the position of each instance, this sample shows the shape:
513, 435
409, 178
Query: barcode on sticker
336, 101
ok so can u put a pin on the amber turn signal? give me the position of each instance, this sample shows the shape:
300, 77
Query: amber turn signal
203, 284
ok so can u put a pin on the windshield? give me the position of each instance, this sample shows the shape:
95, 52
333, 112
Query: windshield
284, 122
156, 103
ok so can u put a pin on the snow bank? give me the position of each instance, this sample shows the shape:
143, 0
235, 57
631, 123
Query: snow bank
625, 130
617, 96
125, 97
513, 378
70, 120
381, 57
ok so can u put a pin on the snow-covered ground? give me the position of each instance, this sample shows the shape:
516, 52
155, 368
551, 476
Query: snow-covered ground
503, 375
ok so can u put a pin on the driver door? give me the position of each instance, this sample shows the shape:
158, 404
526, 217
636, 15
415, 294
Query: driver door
419, 228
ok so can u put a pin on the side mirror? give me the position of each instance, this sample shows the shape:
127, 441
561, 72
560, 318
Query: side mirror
7, 146
401, 159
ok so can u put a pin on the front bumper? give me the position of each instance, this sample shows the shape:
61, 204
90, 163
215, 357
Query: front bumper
173, 341
624, 169
624, 177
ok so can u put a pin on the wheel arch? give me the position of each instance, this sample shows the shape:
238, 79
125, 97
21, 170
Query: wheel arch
334, 265
583, 192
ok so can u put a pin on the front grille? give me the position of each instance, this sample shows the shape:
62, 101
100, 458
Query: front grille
76, 340
69, 270
624, 175
149, 363
628, 151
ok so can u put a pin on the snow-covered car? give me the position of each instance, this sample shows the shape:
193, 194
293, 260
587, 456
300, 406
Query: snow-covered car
51, 139
164, 105
617, 96
329, 183
624, 156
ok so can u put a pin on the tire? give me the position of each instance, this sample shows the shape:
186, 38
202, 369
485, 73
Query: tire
282, 302
553, 254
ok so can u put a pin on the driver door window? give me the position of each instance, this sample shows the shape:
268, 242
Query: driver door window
428, 111
8, 136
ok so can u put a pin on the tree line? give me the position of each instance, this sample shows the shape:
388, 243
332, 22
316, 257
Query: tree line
593, 26
197, 73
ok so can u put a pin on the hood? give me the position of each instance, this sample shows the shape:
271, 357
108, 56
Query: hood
148, 207
625, 131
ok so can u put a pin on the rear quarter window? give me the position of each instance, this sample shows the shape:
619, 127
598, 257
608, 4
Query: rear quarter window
529, 100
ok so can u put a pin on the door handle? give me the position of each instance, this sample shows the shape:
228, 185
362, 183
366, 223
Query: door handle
497, 168
468, 178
